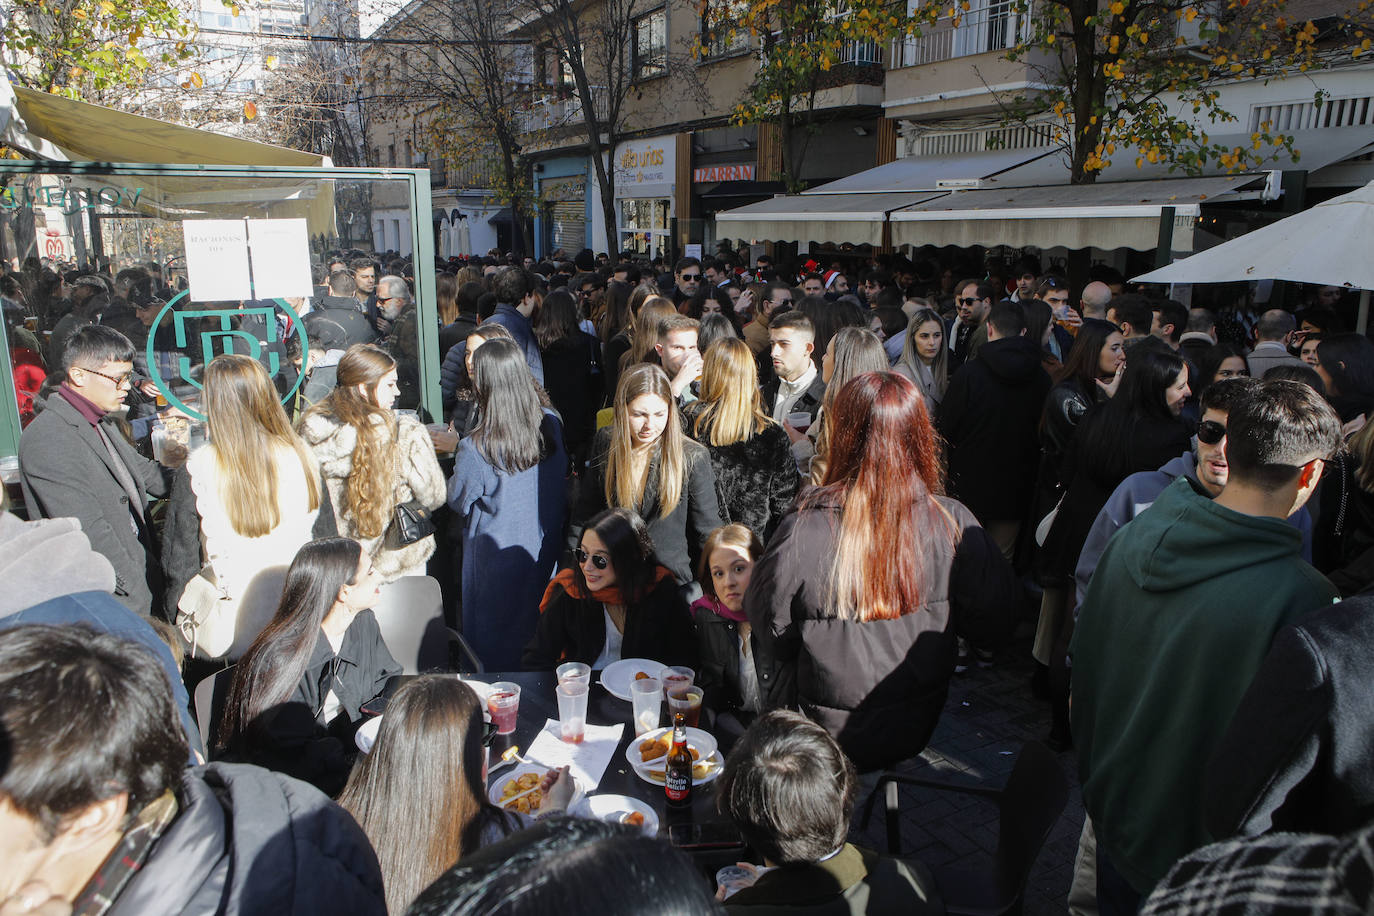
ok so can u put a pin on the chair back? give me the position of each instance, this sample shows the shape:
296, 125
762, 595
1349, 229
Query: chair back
410, 613
209, 699
1030, 805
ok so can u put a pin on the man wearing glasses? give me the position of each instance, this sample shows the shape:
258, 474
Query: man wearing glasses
75, 463
969, 331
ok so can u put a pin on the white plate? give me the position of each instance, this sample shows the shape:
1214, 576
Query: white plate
613, 808
500, 780
654, 776
481, 688
366, 735
703, 741
617, 676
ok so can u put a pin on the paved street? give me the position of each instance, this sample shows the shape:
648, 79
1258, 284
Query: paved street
989, 714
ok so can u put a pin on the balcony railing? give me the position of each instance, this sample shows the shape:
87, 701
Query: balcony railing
992, 26
554, 110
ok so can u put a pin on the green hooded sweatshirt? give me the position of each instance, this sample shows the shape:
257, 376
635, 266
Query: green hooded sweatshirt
1178, 615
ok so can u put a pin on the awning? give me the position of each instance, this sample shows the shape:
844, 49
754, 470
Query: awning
53, 127
1106, 215
924, 173
94, 133
857, 218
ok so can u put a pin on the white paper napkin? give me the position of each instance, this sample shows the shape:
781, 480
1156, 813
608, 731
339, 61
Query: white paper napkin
587, 761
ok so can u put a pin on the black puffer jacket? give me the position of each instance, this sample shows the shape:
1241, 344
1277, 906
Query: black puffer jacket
989, 418
877, 686
250, 841
756, 480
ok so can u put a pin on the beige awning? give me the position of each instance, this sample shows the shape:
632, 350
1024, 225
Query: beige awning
94, 133
48, 126
1120, 214
855, 218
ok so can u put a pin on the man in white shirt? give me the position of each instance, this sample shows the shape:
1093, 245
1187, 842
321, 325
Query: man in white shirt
796, 385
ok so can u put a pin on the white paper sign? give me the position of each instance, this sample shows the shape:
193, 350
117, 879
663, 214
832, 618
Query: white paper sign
692, 251
217, 259
281, 258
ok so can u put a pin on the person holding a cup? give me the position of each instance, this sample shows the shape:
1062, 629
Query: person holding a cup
617, 602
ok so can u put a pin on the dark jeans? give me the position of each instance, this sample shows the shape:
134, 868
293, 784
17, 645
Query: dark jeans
1115, 896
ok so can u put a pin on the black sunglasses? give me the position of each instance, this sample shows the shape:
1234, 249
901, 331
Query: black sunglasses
973, 301
691, 276
1210, 432
599, 561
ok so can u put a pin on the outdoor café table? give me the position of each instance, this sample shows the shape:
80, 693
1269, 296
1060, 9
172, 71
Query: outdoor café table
538, 704
690, 827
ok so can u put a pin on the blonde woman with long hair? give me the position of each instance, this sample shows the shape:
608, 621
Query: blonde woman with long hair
643, 462
851, 352
756, 475
372, 460
648, 327
256, 491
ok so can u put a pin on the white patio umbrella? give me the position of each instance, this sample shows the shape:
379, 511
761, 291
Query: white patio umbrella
1331, 244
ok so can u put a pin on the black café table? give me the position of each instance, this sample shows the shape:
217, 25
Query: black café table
538, 704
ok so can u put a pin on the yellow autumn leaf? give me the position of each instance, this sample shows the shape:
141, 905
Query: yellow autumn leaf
1118, 8
270, 62
106, 8
250, 111
197, 80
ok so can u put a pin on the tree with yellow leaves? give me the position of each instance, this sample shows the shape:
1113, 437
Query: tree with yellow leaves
1140, 77
804, 47
85, 49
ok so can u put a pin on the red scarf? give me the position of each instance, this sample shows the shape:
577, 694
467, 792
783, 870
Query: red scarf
715, 606
567, 581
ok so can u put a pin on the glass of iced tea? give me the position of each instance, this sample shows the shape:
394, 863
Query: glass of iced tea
504, 705
687, 702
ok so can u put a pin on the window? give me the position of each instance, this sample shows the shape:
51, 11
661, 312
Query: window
644, 225
721, 33
649, 45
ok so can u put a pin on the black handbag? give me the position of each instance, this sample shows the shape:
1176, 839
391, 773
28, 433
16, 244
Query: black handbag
410, 522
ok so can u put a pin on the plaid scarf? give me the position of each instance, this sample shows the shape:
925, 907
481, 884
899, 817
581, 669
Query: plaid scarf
127, 858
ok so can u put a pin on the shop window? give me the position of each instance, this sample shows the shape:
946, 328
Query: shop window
649, 50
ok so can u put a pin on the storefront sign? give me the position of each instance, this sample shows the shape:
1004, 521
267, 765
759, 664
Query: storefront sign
723, 173
221, 331
645, 168
70, 200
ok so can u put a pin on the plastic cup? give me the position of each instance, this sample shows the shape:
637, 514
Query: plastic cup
676, 678
572, 710
734, 878
687, 702
646, 697
576, 672
800, 421
504, 705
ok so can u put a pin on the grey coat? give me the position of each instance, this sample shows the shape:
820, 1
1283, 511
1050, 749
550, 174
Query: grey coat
67, 473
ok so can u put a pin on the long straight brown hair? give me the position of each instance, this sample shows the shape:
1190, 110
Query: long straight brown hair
247, 428
622, 489
419, 795
371, 490
648, 327
885, 469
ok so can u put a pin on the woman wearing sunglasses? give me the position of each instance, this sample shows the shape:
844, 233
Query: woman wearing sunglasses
420, 795
617, 602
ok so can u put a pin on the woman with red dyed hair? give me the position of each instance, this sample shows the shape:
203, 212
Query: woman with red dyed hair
856, 603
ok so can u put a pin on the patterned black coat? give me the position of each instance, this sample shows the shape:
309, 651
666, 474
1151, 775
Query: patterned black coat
756, 480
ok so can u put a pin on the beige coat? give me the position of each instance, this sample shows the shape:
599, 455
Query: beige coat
417, 476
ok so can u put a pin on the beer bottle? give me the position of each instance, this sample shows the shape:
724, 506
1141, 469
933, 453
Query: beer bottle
677, 781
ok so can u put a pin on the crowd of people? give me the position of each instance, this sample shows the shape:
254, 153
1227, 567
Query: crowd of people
828, 491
